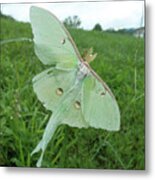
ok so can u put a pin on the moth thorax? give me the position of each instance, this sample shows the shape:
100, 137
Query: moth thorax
83, 71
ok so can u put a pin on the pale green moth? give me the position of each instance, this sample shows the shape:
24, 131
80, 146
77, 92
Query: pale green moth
74, 93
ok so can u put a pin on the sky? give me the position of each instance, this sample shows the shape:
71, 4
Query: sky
116, 15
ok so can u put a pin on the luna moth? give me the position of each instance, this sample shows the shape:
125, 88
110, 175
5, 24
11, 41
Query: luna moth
74, 93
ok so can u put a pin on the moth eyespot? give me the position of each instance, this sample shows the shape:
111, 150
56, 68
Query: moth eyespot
50, 71
59, 91
63, 41
102, 94
77, 104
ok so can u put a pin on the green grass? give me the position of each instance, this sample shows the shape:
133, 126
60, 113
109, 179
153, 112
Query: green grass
120, 63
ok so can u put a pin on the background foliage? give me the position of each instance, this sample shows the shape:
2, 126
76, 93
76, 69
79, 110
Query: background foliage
97, 27
72, 22
120, 63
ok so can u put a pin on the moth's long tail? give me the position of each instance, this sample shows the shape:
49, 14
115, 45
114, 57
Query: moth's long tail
52, 125
39, 147
54, 122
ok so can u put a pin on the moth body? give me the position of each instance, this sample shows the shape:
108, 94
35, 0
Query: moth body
83, 71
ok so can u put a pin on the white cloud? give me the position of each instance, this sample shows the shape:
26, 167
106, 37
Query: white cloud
116, 15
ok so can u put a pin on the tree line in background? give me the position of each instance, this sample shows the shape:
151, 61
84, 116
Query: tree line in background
75, 22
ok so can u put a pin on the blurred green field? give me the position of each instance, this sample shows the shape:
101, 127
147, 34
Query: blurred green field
120, 63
